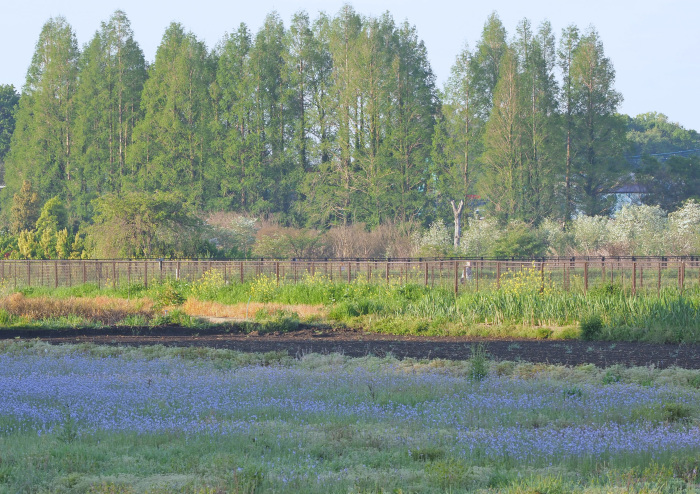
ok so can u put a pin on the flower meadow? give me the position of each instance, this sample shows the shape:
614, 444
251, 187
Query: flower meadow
109, 420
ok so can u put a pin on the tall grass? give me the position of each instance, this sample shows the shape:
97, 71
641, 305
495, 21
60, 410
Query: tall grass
522, 305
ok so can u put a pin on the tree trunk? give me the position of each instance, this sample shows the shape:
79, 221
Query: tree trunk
457, 211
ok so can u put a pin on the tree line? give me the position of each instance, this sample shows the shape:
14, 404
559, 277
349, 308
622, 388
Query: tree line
335, 121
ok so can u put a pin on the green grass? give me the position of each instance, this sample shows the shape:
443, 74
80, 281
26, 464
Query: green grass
518, 309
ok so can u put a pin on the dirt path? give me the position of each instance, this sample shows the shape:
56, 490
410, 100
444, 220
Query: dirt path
357, 343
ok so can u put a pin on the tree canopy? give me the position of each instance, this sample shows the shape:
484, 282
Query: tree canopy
325, 122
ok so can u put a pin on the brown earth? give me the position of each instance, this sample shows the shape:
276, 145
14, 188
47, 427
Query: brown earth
356, 343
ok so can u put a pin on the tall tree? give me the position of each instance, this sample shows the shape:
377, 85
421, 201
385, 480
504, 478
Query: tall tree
601, 130
42, 144
567, 104
456, 141
112, 75
330, 190
172, 141
233, 106
414, 103
502, 181
272, 119
487, 62
9, 99
536, 57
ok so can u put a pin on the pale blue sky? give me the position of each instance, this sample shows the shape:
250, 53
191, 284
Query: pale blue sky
654, 45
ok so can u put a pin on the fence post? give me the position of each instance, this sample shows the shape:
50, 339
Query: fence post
241, 272
387, 272
634, 279
145, 274
682, 277
456, 277
585, 277
658, 284
426, 273
542, 277
277, 272
602, 275
349, 271
84, 272
477, 268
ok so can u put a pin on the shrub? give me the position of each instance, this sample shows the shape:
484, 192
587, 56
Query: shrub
519, 241
591, 327
677, 412
478, 368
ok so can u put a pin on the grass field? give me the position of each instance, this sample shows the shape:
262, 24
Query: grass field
109, 420
522, 307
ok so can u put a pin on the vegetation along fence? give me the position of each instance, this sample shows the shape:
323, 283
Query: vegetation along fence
633, 275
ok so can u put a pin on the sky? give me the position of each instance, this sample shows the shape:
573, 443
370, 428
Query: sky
654, 45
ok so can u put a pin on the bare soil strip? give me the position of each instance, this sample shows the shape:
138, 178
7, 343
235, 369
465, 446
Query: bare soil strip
355, 343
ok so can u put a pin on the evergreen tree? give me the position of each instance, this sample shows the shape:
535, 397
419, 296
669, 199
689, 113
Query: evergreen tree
567, 104
9, 99
536, 56
330, 189
42, 144
112, 74
233, 103
487, 62
414, 104
25, 208
456, 142
172, 142
502, 181
601, 132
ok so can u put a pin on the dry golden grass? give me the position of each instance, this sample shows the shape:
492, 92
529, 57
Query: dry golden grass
105, 310
194, 307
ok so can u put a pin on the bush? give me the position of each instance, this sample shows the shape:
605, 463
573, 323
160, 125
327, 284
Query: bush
519, 241
591, 327
478, 369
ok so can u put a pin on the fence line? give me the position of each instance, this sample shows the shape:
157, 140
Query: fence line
632, 274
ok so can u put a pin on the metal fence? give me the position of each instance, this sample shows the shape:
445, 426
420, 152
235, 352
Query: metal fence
634, 275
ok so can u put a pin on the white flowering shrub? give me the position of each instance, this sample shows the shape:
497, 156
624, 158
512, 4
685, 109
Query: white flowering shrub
639, 230
480, 236
559, 241
436, 241
590, 234
683, 235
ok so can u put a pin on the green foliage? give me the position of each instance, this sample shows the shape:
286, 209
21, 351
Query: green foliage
9, 99
41, 147
208, 285
284, 243
677, 412
338, 121
139, 224
519, 242
591, 327
52, 216
25, 208
478, 363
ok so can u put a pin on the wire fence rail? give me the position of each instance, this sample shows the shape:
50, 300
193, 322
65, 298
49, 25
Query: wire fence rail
633, 275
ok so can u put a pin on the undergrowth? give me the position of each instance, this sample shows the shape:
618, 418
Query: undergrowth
525, 307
